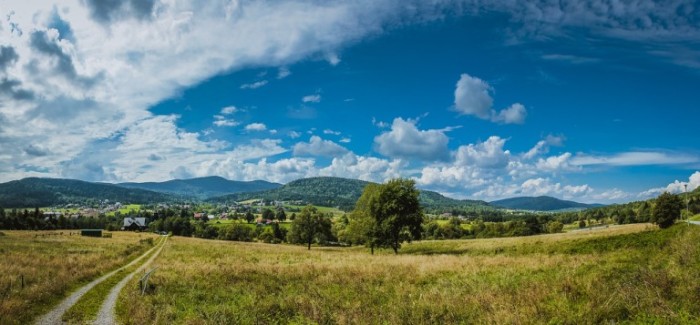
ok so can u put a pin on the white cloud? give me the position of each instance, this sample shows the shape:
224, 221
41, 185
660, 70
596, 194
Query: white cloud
487, 154
319, 147
316, 98
329, 131
283, 72
225, 122
364, 168
257, 149
542, 146
675, 187
405, 140
254, 85
294, 134
379, 124
256, 127
473, 97
333, 58
228, 110
556, 163
515, 114
636, 158
345, 140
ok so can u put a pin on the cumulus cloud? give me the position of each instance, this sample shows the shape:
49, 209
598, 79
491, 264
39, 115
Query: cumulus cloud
256, 127
405, 140
515, 114
319, 147
487, 154
675, 187
473, 97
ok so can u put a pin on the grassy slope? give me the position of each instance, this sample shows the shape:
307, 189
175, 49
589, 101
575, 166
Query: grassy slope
55, 265
625, 273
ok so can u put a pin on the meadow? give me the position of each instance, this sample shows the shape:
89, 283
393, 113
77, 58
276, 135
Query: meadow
632, 273
39, 268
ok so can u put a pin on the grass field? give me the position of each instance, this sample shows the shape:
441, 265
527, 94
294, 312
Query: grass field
53, 264
631, 273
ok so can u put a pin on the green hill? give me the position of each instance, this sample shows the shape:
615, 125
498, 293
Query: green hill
203, 187
540, 203
342, 193
42, 192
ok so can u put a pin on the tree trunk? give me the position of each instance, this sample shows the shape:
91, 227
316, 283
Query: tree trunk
396, 249
309, 248
372, 249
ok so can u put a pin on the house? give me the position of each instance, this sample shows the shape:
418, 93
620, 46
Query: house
134, 224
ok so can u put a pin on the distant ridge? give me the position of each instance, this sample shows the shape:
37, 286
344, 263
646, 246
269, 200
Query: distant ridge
541, 203
343, 193
203, 187
43, 192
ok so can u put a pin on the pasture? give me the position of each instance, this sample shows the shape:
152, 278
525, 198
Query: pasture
633, 273
39, 268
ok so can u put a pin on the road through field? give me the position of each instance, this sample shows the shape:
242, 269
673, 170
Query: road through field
54, 316
106, 314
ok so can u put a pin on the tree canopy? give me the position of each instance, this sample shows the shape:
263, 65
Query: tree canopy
387, 215
666, 210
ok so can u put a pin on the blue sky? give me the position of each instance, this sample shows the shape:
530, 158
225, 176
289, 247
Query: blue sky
592, 102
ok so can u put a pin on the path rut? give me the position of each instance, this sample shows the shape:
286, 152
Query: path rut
106, 314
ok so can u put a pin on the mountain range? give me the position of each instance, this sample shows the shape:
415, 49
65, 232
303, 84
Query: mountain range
541, 203
322, 191
342, 193
203, 187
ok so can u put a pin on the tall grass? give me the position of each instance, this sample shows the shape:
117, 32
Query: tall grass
622, 274
55, 263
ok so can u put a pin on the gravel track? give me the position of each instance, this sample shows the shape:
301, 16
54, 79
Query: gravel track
106, 314
54, 316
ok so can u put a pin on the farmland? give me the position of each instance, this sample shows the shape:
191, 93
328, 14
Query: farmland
632, 273
52, 264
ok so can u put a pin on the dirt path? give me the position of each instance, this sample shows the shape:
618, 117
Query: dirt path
54, 316
106, 314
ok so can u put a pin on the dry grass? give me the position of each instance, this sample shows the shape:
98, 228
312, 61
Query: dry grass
53, 264
215, 282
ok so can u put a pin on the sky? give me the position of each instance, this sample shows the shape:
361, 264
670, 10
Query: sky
592, 101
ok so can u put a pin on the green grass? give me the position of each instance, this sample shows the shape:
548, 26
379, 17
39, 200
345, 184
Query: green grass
623, 274
695, 217
53, 264
333, 210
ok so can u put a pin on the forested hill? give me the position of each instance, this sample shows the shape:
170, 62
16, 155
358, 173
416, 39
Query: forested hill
44, 192
343, 193
540, 203
203, 187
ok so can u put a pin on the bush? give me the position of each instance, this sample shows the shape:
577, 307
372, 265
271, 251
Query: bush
236, 232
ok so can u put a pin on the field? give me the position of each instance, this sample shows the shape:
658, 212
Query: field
632, 273
52, 264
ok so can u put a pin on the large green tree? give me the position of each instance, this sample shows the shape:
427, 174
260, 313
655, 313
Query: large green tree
309, 225
666, 210
388, 215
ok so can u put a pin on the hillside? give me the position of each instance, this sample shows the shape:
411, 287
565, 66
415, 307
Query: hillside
203, 187
42, 192
341, 192
540, 203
